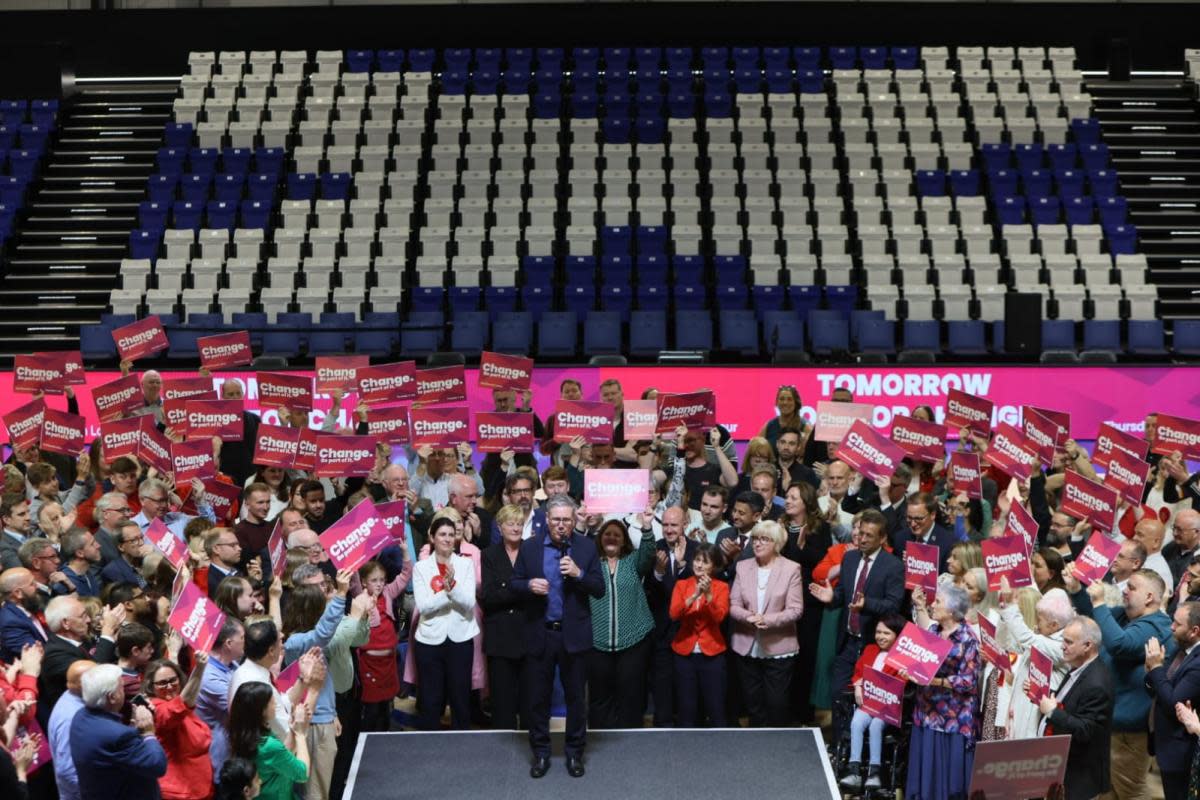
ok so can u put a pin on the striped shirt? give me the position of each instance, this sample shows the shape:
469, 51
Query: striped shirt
621, 618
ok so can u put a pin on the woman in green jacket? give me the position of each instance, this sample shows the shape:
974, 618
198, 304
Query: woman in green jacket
250, 737
621, 628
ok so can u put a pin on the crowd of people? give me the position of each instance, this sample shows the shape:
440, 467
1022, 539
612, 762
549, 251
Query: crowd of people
749, 591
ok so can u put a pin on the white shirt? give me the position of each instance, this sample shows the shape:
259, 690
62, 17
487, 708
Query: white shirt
249, 672
1066, 687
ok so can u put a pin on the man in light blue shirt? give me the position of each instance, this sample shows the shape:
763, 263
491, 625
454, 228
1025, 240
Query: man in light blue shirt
156, 503
59, 731
212, 705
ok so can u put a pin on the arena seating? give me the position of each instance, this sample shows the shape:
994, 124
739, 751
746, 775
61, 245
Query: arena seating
25, 128
738, 200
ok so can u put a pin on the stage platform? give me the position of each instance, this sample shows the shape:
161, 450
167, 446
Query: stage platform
662, 763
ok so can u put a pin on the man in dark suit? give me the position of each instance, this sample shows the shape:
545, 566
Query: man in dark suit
1175, 681
1185, 544
557, 574
871, 585
922, 527
23, 605
477, 522
1082, 708
734, 542
672, 563
70, 641
114, 761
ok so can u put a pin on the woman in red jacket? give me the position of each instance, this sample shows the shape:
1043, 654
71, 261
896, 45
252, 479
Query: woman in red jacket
700, 604
184, 736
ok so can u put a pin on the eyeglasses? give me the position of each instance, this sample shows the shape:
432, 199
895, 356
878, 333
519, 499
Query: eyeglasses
165, 682
521, 491
762, 539
155, 499
917, 519
123, 510
227, 544
554, 521
50, 556
138, 540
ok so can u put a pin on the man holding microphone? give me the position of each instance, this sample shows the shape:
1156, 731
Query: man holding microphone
557, 573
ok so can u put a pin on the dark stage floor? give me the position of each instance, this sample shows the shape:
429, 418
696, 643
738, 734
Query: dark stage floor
654, 763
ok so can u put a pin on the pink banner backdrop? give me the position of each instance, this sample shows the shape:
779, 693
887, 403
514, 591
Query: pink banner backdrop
746, 396
1019, 768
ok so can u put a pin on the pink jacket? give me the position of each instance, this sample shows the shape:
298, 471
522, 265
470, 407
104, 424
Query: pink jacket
783, 606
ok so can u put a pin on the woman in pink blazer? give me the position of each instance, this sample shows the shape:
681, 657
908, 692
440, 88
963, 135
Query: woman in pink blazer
766, 600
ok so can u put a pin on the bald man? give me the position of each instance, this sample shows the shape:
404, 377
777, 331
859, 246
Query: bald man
672, 563
1185, 543
152, 404
237, 458
19, 625
59, 731
1149, 532
477, 523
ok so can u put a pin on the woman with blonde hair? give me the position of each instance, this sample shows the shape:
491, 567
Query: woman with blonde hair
964, 557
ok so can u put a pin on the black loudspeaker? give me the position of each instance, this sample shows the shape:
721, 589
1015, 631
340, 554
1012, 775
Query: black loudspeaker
1023, 324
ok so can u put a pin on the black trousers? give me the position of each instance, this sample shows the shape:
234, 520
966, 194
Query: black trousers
539, 685
767, 686
443, 675
808, 630
617, 686
662, 686
508, 692
1175, 785
700, 679
349, 711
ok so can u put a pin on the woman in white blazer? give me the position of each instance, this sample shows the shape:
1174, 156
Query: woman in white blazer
444, 592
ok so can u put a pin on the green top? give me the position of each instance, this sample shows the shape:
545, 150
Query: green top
278, 769
621, 618
350, 633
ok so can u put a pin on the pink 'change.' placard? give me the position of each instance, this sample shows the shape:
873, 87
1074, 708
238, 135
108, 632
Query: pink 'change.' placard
616, 491
339, 372
693, 411
141, 338
392, 513
446, 384
990, 647
39, 372
1041, 668
919, 652
387, 384
276, 446
440, 427
193, 459
502, 371
63, 432
225, 350
869, 452
1127, 475
154, 449
25, 424
282, 390
1043, 433
1084, 498
355, 538
389, 424
968, 411
1006, 557
1021, 523
1109, 438
964, 475
497, 431
592, 421
1011, 453
197, 618
639, 419
209, 418
344, 456
834, 420
123, 436
1180, 434
883, 696
116, 399
176, 388
924, 441
921, 562
1097, 556
277, 548
166, 542
306, 450
1017, 769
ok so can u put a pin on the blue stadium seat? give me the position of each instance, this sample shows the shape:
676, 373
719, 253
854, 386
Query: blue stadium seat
152, 215
966, 337
498, 299
335, 186
616, 269
804, 299
647, 333
512, 332
964, 182
857, 316
1058, 334
421, 333
301, 186
537, 269
1079, 210
1029, 156
617, 297
557, 334
469, 333
693, 330
254, 323
536, 299
1103, 182
269, 160
931, 183
690, 298
325, 341
178, 134
730, 269
1146, 337
579, 298
261, 186
652, 270
601, 333
427, 298
465, 298
381, 320
369, 342
96, 343
877, 336
1102, 335
1122, 239
1113, 210
144, 244
1185, 337
739, 331
841, 298
653, 297
688, 270
220, 214
731, 296
922, 334
829, 333
783, 330
767, 298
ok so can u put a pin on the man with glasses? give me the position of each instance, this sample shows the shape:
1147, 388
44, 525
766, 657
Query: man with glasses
132, 546
111, 509
224, 554
156, 503
40, 558
519, 491
1185, 544
70, 641
82, 551
557, 574
922, 527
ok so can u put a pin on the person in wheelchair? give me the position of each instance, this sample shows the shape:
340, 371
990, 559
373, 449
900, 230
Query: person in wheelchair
887, 630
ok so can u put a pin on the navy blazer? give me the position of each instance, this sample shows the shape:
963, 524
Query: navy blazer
1173, 745
943, 537
883, 592
659, 591
577, 608
113, 760
17, 629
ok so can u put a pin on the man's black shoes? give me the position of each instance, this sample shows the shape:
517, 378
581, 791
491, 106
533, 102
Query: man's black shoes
540, 766
575, 766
